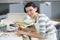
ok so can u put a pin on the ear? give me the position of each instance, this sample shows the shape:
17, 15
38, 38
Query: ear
35, 8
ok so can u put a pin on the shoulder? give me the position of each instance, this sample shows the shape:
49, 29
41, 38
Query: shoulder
42, 16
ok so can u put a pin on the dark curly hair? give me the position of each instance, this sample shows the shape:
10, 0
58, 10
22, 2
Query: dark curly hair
31, 4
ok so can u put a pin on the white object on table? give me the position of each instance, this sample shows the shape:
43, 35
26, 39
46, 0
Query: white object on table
10, 36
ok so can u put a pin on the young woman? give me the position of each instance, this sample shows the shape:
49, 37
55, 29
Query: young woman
45, 29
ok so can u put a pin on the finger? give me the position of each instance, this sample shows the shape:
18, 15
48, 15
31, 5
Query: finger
19, 28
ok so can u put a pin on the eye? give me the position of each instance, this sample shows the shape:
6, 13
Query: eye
30, 10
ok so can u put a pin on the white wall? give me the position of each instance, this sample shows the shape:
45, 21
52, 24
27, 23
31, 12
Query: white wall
46, 9
55, 9
50, 0
52, 10
16, 8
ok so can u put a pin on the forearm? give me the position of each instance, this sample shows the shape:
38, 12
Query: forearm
32, 34
35, 34
29, 29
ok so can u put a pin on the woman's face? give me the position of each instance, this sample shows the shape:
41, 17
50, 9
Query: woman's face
31, 11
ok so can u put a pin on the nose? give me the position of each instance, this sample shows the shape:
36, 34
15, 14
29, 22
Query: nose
29, 13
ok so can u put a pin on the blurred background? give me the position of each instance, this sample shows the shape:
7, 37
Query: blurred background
49, 7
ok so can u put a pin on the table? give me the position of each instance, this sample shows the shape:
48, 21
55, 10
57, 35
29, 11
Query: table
9, 36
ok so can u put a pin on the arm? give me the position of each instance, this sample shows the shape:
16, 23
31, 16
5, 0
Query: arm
27, 29
35, 34
41, 22
32, 34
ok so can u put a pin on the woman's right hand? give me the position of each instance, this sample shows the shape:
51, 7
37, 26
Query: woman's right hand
21, 31
19, 28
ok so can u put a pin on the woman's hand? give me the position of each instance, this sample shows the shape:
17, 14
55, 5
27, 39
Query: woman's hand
27, 29
19, 28
29, 33
20, 32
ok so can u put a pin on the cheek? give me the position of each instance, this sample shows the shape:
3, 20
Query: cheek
30, 14
33, 11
